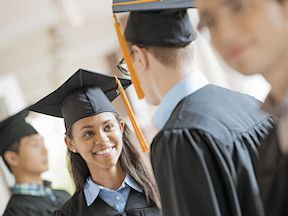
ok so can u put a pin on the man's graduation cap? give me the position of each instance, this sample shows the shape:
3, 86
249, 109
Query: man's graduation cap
163, 23
165, 28
13, 129
149, 5
85, 94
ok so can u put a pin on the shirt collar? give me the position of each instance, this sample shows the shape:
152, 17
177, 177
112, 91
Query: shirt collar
183, 88
33, 190
92, 190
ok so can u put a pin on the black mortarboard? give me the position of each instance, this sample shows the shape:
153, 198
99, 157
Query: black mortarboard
160, 28
13, 129
84, 94
149, 5
163, 23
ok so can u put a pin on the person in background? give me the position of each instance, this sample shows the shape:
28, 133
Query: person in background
251, 37
110, 175
204, 154
25, 155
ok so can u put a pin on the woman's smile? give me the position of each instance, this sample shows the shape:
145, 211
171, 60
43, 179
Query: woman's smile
105, 152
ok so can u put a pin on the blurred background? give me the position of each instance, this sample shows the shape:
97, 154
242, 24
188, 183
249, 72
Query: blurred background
43, 42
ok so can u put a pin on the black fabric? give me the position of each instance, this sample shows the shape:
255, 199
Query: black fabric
272, 173
167, 28
204, 157
136, 206
84, 94
13, 129
160, 5
27, 205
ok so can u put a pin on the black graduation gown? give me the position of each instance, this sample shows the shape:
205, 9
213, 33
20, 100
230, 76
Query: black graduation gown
136, 206
27, 205
203, 158
272, 173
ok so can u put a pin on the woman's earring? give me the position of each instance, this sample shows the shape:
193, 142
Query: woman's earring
74, 150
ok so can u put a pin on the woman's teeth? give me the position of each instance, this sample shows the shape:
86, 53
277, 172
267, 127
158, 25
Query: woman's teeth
104, 151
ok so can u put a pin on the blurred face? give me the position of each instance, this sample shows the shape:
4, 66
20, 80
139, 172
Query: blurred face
98, 139
249, 35
32, 156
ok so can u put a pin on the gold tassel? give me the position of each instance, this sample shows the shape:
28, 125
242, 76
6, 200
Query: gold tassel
138, 132
135, 2
125, 52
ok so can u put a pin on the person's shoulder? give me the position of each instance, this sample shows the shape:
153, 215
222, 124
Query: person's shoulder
21, 200
21, 205
212, 97
213, 106
61, 194
73, 203
197, 112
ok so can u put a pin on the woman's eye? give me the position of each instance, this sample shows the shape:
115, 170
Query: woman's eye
88, 134
109, 127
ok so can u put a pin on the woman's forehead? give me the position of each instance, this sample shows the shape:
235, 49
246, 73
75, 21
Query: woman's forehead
96, 119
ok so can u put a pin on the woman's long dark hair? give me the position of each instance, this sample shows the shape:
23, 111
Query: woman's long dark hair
130, 159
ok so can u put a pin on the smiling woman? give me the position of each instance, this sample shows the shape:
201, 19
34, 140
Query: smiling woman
110, 175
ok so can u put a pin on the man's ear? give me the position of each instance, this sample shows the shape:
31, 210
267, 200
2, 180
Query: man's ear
12, 158
140, 56
70, 145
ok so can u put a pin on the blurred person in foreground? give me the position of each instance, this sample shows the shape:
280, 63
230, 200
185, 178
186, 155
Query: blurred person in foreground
251, 37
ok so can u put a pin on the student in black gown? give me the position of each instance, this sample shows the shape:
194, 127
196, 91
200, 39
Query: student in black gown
204, 154
251, 37
110, 175
25, 155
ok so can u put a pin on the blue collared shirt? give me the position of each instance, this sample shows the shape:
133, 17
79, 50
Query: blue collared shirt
117, 199
185, 87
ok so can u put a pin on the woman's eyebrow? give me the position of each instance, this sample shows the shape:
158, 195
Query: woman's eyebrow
86, 126
109, 120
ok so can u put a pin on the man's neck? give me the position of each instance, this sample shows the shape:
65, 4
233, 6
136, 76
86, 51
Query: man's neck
28, 179
277, 76
172, 77
279, 88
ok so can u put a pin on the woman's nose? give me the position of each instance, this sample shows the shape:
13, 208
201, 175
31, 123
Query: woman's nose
101, 138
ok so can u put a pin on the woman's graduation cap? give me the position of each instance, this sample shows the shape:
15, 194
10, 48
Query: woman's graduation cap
84, 94
13, 129
163, 23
